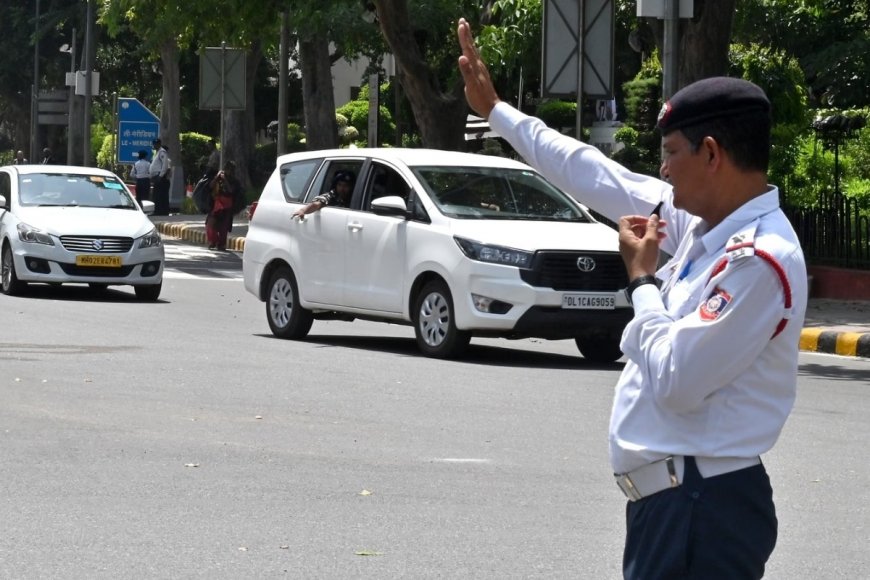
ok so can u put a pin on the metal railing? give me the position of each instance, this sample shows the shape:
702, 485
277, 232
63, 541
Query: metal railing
834, 232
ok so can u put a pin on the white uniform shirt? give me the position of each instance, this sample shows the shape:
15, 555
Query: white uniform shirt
703, 376
160, 163
141, 169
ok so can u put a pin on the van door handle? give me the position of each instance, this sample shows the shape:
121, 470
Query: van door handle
354, 226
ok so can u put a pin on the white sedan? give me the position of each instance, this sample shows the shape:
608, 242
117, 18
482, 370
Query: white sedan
63, 224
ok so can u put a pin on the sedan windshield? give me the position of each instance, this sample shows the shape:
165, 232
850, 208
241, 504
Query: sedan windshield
66, 189
497, 193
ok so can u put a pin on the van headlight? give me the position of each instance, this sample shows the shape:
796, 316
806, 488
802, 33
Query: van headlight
494, 254
32, 235
150, 240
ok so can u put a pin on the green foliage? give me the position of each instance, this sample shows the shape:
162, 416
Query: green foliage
642, 104
355, 114
782, 79
105, 155
557, 114
779, 75
194, 155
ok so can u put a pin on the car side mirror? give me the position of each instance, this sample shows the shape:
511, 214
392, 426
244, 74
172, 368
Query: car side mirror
390, 205
147, 206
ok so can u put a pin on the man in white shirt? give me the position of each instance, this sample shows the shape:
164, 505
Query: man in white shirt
159, 171
713, 346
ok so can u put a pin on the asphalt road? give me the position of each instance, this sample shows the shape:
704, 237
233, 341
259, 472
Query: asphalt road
180, 440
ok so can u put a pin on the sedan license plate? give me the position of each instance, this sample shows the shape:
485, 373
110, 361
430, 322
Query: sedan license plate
588, 301
98, 261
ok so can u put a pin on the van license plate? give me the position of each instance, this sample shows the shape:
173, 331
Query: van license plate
589, 301
98, 261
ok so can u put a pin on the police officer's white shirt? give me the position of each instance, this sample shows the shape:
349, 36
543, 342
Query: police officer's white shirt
702, 386
160, 163
141, 169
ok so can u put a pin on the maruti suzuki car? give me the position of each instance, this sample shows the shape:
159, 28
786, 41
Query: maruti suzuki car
63, 224
456, 245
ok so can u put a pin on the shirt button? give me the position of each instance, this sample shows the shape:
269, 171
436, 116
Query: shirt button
696, 494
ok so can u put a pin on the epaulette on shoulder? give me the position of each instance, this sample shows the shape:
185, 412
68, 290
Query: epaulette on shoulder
742, 245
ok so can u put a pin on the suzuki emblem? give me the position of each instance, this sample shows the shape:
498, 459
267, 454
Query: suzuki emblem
97, 244
585, 264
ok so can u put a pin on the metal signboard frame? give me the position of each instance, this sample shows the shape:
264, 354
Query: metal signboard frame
563, 22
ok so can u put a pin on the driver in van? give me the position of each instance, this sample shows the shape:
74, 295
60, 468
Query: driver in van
338, 196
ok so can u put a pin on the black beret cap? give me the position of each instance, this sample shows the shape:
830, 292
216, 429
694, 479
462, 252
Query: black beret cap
709, 99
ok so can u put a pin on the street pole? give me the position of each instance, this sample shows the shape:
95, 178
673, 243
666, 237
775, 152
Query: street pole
89, 64
223, 98
34, 94
283, 56
72, 97
670, 60
581, 29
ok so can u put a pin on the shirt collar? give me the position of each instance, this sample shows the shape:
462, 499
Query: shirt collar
741, 217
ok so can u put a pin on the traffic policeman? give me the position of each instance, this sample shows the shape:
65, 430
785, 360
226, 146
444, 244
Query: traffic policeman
712, 350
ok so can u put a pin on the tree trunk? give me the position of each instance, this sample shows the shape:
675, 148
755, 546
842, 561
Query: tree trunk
239, 138
704, 40
170, 114
321, 130
440, 116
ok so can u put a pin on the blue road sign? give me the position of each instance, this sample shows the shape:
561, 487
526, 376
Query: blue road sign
137, 128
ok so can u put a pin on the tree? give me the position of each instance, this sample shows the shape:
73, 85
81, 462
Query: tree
422, 53
159, 24
704, 40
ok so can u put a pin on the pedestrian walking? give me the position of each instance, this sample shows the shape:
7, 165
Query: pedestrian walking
712, 350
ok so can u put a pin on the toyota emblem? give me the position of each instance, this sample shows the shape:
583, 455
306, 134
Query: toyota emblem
585, 264
98, 245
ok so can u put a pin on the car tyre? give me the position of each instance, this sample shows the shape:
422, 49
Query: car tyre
435, 323
286, 317
11, 285
148, 292
599, 349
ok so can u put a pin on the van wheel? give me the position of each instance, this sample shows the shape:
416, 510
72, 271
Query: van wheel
11, 285
599, 348
435, 323
286, 318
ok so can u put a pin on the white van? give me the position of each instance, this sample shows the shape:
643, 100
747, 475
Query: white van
455, 244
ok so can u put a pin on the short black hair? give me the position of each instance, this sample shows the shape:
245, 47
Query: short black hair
343, 176
745, 137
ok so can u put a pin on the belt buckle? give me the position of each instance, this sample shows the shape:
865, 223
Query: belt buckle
627, 486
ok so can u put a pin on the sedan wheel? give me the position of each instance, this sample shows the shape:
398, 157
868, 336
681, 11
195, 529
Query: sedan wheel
148, 293
435, 323
286, 318
10, 283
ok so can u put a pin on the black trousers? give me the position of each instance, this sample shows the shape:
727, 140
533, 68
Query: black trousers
721, 527
161, 196
143, 188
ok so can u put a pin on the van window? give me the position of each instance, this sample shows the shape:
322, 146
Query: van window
295, 178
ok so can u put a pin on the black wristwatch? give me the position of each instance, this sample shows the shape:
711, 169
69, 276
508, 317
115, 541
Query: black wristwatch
638, 282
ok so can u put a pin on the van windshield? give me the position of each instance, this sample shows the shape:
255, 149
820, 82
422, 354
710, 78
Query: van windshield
497, 193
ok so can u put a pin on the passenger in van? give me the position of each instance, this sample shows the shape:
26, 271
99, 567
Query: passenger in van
338, 196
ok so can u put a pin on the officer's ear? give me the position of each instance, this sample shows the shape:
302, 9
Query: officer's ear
712, 152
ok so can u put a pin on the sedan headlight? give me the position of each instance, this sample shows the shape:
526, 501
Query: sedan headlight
494, 254
150, 240
33, 235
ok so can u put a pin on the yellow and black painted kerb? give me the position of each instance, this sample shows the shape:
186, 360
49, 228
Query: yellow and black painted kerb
842, 343
196, 235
